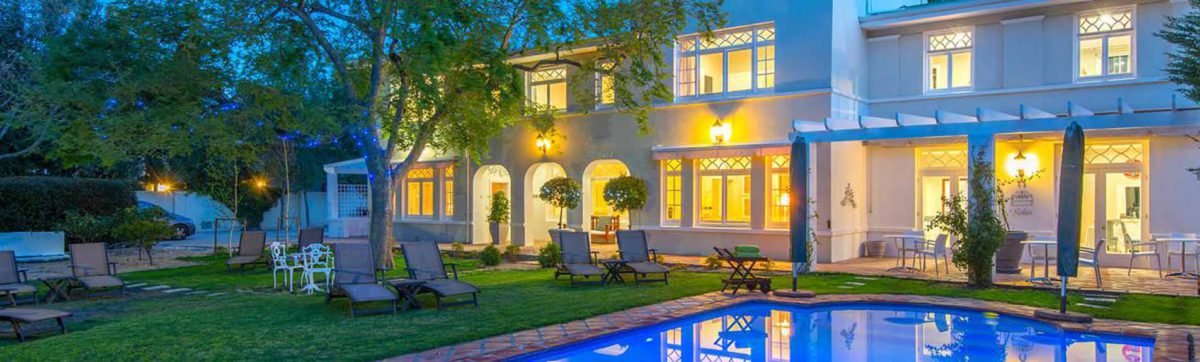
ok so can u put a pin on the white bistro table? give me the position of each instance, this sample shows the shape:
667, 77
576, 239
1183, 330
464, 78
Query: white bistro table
901, 240
1183, 242
1045, 244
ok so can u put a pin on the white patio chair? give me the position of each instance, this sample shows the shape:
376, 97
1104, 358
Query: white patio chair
1091, 257
935, 249
1140, 249
279, 261
1183, 249
317, 259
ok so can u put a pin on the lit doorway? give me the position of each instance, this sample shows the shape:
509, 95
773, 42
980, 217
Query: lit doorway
941, 174
489, 180
1114, 189
597, 215
540, 216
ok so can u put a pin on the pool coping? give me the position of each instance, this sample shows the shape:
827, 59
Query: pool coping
1170, 341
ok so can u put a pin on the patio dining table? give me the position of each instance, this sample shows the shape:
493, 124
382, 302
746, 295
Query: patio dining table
901, 240
1183, 241
1045, 245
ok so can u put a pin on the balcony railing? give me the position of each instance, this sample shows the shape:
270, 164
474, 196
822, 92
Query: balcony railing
887, 6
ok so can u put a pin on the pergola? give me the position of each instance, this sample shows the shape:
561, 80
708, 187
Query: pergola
348, 203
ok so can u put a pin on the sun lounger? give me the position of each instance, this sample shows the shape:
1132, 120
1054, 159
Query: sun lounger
578, 259
250, 250
355, 278
91, 269
638, 256
424, 264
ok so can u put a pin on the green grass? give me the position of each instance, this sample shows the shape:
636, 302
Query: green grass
253, 322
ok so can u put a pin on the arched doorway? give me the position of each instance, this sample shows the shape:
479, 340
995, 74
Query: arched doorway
488, 180
540, 217
595, 210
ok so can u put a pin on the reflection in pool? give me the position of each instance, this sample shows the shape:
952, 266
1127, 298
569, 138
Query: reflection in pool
851, 332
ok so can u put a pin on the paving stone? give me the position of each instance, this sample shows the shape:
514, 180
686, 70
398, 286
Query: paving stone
138, 285
157, 287
1100, 300
866, 278
845, 287
216, 294
857, 284
176, 290
1091, 305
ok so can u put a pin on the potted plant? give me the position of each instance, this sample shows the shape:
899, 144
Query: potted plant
1008, 258
498, 217
562, 193
978, 227
626, 193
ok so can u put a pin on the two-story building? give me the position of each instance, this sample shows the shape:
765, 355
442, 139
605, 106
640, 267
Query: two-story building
890, 93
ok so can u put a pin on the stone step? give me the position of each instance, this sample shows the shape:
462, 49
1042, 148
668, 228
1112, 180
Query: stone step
1090, 306
138, 285
157, 287
857, 284
176, 290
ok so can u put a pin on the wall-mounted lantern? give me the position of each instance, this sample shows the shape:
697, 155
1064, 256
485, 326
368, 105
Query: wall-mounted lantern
542, 143
720, 132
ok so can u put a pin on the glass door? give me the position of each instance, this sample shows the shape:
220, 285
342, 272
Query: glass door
1112, 209
935, 189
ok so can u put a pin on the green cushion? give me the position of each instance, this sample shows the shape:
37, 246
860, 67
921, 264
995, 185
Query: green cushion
746, 249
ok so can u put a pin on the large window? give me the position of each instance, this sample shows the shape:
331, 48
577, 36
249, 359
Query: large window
548, 88
1106, 44
779, 178
605, 94
734, 61
419, 191
672, 191
448, 182
948, 60
724, 192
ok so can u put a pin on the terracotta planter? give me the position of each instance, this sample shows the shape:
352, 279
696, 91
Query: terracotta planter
1008, 258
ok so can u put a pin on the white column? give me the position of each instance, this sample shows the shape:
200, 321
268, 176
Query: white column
331, 193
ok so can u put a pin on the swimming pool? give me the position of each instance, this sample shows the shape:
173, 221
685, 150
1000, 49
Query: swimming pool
764, 331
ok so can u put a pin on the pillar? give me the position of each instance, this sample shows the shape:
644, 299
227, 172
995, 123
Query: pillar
331, 193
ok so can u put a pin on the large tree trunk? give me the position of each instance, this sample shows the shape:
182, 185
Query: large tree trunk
382, 212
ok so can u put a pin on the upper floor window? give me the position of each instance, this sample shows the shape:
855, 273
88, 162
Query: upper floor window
419, 192
672, 191
548, 88
740, 60
724, 191
1105, 44
605, 94
948, 60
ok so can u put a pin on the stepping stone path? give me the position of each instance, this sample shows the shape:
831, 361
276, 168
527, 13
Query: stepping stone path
167, 289
1098, 300
176, 290
157, 287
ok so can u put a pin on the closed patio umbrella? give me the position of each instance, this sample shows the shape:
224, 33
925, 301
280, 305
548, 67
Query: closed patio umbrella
1070, 207
798, 214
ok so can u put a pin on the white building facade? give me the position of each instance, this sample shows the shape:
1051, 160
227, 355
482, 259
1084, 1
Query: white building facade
893, 96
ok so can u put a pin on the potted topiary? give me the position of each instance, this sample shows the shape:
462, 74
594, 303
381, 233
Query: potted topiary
562, 193
498, 217
626, 193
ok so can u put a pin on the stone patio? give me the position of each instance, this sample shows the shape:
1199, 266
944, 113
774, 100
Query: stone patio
1170, 340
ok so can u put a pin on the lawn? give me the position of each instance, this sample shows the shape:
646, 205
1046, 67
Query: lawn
253, 322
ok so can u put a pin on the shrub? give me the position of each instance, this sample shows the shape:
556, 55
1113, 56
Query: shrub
512, 253
980, 230
712, 262
626, 193
457, 250
563, 193
85, 228
490, 256
43, 203
142, 228
498, 210
549, 256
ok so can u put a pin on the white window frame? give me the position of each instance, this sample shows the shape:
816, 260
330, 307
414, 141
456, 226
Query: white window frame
770, 192
432, 180
927, 54
666, 173
1079, 37
600, 92
724, 174
529, 84
696, 52
448, 205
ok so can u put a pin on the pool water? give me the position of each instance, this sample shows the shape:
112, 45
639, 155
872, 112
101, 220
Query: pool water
761, 331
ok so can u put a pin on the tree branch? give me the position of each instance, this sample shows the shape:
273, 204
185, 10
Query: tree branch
320, 9
339, 64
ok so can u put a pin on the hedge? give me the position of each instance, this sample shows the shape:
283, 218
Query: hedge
41, 203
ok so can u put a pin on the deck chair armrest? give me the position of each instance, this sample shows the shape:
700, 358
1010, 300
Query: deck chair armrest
453, 268
380, 274
653, 255
112, 267
23, 275
595, 257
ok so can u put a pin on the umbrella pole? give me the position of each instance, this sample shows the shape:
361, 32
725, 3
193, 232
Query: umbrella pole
1062, 299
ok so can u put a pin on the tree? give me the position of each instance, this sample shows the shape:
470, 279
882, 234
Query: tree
412, 75
142, 228
1183, 61
562, 193
626, 193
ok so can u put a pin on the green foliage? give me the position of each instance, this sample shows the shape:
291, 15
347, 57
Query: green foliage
457, 249
142, 228
498, 209
85, 228
43, 203
562, 192
490, 256
512, 253
549, 255
1183, 60
979, 228
713, 261
626, 193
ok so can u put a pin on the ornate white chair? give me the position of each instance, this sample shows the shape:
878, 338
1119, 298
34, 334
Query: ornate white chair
318, 258
279, 262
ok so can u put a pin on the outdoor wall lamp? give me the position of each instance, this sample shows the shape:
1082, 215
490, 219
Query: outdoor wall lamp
260, 183
162, 187
1022, 166
542, 143
720, 132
